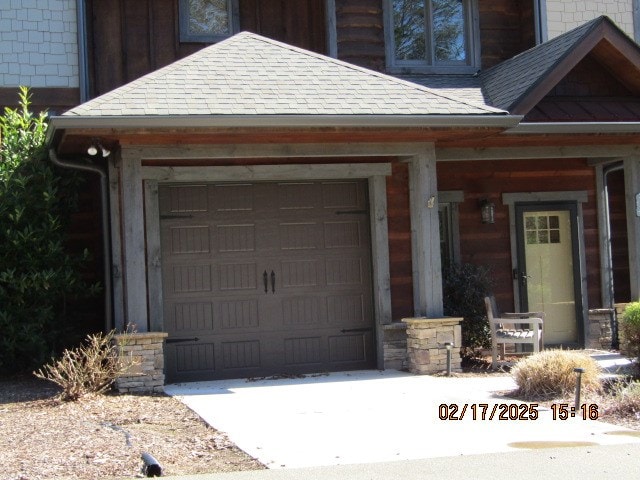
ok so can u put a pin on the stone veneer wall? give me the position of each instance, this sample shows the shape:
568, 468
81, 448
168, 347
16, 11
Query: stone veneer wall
146, 352
599, 334
426, 338
395, 345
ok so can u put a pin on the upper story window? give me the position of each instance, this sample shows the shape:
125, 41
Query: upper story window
431, 36
207, 21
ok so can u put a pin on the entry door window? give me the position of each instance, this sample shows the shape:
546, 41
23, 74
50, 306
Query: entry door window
547, 276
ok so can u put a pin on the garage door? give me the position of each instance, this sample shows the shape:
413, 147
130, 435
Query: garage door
266, 278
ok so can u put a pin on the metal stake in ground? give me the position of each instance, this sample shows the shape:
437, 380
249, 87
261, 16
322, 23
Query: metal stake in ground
448, 346
579, 371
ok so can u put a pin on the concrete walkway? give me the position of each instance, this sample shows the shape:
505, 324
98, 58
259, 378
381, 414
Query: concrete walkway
371, 417
580, 463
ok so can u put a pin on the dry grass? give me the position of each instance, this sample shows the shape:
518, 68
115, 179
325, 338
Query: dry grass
551, 374
626, 397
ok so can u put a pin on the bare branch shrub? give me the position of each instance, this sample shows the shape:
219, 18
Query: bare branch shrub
90, 368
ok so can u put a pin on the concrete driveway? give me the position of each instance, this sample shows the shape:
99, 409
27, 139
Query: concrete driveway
373, 416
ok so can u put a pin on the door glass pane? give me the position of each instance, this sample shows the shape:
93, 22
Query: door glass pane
449, 30
409, 29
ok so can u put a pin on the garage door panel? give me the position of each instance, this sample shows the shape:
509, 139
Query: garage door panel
302, 311
342, 234
235, 238
343, 195
299, 235
316, 313
302, 351
229, 198
189, 239
190, 278
348, 348
184, 199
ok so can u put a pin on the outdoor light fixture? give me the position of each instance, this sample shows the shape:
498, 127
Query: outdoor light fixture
448, 346
97, 146
487, 211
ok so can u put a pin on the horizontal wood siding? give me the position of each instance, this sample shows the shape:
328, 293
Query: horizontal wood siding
489, 244
506, 29
127, 39
360, 29
399, 224
619, 240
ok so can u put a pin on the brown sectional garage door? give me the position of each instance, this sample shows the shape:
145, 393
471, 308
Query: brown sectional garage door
266, 278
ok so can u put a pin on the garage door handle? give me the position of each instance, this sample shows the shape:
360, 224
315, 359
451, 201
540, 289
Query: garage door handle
180, 340
265, 279
273, 282
359, 330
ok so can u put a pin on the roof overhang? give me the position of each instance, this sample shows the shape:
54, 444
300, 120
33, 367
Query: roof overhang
568, 128
284, 121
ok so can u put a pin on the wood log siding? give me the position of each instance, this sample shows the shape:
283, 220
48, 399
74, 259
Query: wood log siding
489, 244
127, 39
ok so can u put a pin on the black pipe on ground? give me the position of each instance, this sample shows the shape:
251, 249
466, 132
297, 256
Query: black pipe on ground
151, 467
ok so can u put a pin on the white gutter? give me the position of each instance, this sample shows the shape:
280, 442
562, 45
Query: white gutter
199, 121
574, 128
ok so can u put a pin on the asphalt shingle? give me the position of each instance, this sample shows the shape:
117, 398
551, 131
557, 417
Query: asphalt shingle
251, 75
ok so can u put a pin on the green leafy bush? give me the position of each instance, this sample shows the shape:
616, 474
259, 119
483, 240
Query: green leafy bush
89, 368
549, 374
36, 273
630, 329
464, 287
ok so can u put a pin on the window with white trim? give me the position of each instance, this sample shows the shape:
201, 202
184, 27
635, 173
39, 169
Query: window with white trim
431, 36
207, 21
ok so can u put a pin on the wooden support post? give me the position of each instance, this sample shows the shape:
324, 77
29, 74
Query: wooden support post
425, 235
116, 244
134, 248
632, 197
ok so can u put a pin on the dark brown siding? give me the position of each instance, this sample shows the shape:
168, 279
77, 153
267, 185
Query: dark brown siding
359, 24
506, 29
400, 263
54, 100
619, 241
489, 244
128, 39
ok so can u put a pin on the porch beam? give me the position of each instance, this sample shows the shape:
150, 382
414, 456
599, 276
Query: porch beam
528, 153
632, 198
266, 172
135, 281
425, 235
321, 150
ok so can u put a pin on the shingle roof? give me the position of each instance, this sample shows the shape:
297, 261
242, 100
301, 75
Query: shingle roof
251, 75
507, 83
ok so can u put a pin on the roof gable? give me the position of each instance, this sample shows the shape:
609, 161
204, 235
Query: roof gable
520, 83
249, 75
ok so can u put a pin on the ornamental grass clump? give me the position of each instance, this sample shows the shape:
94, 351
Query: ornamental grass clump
550, 374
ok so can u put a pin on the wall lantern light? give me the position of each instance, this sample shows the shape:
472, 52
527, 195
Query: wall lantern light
487, 211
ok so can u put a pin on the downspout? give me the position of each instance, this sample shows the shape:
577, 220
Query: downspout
615, 342
83, 59
106, 243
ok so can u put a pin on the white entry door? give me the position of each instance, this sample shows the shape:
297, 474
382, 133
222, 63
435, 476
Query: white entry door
547, 271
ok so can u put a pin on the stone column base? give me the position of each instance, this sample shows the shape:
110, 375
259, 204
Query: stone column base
426, 339
146, 354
